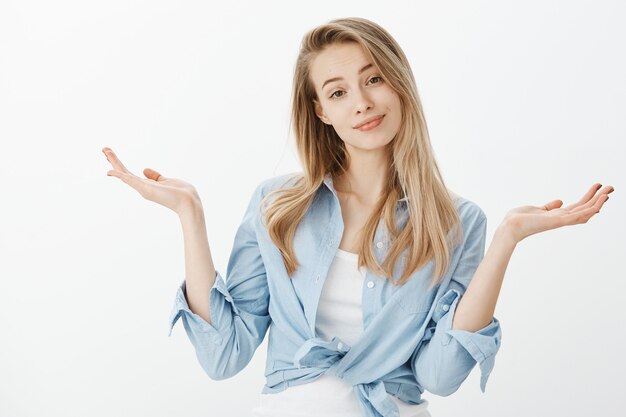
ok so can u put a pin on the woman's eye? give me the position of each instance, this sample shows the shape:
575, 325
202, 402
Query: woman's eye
376, 77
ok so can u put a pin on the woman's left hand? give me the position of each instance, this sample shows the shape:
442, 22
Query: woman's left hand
525, 221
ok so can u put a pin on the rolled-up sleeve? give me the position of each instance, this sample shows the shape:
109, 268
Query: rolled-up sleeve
238, 306
445, 357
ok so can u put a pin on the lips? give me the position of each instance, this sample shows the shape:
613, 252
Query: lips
368, 120
370, 124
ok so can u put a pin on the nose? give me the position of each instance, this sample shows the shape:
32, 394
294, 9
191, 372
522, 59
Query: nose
363, 101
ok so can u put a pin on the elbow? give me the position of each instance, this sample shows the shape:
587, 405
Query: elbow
218, 376
442, 390
218, 372
434, 385
445, 381
438, 387
224, 361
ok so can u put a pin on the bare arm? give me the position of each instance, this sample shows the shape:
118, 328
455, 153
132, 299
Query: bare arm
199, 269
476, 308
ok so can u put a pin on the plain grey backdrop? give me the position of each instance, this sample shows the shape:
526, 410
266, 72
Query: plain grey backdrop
524, 103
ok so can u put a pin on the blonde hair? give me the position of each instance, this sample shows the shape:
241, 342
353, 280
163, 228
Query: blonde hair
413, 171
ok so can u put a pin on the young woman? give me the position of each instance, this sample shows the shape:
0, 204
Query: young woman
369, 273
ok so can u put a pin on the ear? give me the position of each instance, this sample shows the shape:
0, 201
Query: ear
320, 112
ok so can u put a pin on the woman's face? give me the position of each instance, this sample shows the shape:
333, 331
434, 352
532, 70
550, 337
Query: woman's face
350, 91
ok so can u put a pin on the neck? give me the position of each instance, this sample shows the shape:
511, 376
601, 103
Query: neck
365, 178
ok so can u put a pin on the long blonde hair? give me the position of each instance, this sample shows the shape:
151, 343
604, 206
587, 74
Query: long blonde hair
413, 171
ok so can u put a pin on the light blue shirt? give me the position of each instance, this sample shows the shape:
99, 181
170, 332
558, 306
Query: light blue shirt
407, 345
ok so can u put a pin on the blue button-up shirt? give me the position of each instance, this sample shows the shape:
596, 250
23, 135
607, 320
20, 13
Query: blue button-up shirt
407, 345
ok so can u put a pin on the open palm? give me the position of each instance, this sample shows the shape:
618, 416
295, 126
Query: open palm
169, 192
527, 220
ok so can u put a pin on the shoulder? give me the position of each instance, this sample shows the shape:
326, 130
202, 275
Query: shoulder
268, 185
473, 227
278, 181
470, 212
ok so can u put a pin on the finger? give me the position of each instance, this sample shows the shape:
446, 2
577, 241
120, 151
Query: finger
583, 215
114, 160
130, 179
554, 204
591, 203
153, 175
588, 195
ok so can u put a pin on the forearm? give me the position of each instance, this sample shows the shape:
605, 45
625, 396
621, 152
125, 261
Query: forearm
476, 307
200, 272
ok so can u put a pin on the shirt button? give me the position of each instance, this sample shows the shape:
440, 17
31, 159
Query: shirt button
317, 278
379, 245
339, 345
370, 284
446, 307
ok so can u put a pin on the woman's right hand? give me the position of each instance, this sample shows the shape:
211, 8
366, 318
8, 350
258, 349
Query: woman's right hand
172, 193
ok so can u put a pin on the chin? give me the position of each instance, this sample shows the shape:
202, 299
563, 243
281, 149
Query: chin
370, 146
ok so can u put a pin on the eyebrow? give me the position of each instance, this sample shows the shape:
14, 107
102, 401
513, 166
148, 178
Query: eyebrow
330, 80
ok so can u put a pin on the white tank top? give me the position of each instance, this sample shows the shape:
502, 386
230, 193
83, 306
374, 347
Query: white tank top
339, 313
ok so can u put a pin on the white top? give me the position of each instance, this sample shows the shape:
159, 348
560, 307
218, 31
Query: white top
339, 313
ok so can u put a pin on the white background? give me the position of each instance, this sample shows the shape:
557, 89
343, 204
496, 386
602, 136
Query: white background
524, 103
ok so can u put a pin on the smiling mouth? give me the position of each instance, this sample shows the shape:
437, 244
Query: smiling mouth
371, 125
